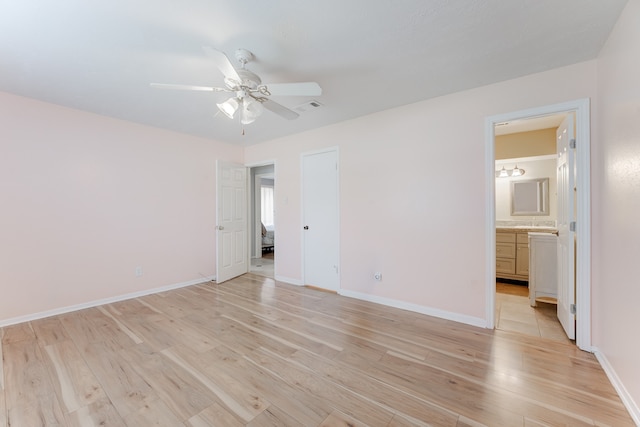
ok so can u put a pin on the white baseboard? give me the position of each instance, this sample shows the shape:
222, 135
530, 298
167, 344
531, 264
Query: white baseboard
76, 307
626, 398
456, 317
289, 280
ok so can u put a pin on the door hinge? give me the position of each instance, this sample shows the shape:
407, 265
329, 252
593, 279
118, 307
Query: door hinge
572, 308
572, 143
572, 226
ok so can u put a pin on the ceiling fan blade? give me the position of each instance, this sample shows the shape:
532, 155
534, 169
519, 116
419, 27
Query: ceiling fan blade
295, 89
280, 110
222, 62
186, 87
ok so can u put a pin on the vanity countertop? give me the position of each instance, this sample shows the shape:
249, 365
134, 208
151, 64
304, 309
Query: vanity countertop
527, 229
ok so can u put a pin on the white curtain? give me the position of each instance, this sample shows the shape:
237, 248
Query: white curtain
267, 206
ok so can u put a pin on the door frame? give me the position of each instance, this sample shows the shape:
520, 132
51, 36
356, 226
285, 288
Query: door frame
302, 217
581, 108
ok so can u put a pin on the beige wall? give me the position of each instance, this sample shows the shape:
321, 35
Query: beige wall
616, 202
86, 199
526, 144
404, 212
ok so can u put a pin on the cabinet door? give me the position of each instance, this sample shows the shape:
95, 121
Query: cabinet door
505, 250
522, 260
505, 266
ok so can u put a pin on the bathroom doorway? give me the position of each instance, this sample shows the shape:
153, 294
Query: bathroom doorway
582, 197
525, 156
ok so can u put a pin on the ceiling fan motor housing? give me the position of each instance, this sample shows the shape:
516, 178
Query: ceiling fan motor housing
248, 80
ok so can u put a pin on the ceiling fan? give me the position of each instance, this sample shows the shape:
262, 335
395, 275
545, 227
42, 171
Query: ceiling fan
250, 95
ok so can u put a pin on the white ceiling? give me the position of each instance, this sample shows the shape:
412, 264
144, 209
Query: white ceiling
368, 56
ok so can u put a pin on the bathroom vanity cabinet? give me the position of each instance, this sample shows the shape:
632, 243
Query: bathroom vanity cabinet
512, 254
543, 281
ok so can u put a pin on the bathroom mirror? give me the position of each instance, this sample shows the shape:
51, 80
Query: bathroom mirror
530, 197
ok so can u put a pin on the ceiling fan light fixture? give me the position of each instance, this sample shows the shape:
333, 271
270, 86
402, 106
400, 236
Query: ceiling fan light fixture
229, 107
251, 110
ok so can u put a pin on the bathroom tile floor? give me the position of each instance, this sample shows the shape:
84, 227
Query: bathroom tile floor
513, 313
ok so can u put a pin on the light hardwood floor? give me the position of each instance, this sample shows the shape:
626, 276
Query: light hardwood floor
263, 266
251, 352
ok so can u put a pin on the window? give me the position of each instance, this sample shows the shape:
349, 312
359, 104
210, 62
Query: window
267, 206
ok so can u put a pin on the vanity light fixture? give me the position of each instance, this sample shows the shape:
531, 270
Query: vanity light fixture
506, 173
503, 173
517, 171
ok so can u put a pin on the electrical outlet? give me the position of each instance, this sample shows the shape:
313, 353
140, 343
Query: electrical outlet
378, 276
138, 271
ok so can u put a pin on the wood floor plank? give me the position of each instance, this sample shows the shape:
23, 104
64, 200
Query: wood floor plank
381, 392
99, 413
74, 382
3, 409
309, 383
333, 328
214, 415
243, 403
167, 303
49, 331
154, 413
487, 399
338, 419
176, 387
120, 326
283, 396
127, 390
30, 397
19, 332
567, 396
275, 417
255, 352
82, 327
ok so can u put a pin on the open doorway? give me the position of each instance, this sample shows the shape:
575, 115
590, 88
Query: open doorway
582, 305
263, 232
526, 165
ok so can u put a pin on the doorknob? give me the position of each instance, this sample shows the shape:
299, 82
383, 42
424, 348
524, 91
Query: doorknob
306, 227
220, 227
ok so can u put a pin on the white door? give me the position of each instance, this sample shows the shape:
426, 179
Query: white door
231, 234
566, 235
320, 216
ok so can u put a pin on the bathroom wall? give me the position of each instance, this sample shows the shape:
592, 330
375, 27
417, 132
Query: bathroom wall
534, 167
526, 144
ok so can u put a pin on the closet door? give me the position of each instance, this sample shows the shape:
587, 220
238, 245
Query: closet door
320, 216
